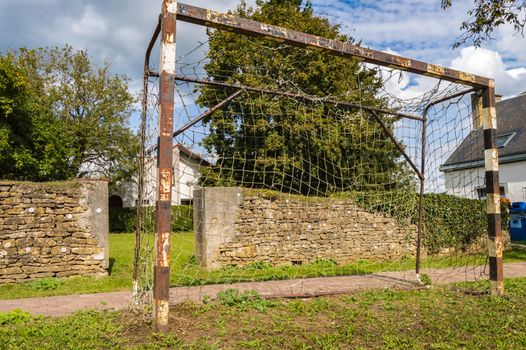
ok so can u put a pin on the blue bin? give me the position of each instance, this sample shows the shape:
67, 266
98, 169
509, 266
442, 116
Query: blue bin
518, 221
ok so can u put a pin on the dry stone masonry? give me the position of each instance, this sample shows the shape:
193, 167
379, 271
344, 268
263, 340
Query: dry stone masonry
53, 229
238, 227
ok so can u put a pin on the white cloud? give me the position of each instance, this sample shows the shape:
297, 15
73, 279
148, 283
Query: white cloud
490, 64
89, 22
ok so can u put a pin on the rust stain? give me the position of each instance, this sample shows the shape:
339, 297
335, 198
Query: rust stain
402, 61
435, 69
499, 247
466, 77
165, 188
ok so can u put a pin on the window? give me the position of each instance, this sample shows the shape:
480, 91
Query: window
503, 140
481, 192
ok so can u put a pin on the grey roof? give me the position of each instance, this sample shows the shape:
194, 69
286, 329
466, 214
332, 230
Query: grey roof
511, 119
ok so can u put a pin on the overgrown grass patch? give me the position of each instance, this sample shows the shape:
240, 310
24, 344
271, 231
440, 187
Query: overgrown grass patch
435, 318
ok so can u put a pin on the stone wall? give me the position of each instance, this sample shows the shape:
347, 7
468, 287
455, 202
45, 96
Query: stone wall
53, 229
237, 227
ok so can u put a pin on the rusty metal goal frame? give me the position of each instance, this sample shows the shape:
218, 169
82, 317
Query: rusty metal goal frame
172, 11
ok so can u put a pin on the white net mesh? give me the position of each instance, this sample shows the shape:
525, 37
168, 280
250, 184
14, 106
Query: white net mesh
325, 155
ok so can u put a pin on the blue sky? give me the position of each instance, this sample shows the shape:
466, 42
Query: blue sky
118, 31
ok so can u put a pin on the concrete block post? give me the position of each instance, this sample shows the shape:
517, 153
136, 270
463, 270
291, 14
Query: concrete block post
215, 211
95, 197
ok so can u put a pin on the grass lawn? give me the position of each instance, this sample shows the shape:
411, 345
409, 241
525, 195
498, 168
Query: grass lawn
436, 318
185, 272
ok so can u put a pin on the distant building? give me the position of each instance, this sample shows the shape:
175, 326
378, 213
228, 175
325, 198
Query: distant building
186, 165
464, 170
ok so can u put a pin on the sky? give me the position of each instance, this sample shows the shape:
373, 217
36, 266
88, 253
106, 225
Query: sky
118, 31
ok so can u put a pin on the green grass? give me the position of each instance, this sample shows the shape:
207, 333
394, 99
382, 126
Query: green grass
184, 270
436, 318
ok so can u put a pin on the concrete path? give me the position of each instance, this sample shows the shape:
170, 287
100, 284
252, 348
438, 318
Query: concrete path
63, 305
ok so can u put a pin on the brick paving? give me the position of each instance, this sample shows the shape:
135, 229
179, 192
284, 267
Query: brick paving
63, 305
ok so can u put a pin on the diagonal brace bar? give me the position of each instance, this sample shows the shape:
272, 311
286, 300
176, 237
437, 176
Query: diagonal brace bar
397, 144
208, 113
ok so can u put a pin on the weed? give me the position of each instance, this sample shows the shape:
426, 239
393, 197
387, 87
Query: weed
47, 283
242, 300
325, 262
425, 279
258, 265
16, 316
190, 261
325, 341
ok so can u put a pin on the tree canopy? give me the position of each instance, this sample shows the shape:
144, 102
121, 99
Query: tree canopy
488, 15
62, 117
291, 144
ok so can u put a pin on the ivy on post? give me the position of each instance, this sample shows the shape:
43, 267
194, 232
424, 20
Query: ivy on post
163, 214
491, 156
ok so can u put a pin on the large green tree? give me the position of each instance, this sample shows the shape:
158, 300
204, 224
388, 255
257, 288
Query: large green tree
63, 117
486, 15
288, 144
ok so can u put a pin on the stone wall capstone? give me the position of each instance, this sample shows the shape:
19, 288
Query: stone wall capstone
236, 226
53, 229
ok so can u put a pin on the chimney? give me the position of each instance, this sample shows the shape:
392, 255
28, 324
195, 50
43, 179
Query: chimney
476, 114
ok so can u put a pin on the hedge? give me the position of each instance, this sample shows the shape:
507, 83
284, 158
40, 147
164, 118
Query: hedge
449, 221
123, 219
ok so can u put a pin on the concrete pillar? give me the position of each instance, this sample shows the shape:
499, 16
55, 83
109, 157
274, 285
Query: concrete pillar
95, 197
215, 211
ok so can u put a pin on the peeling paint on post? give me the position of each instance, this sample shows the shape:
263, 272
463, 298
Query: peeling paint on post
163, 213
489, 121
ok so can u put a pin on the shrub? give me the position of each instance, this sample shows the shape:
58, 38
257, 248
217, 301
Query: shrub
449, 221
124, 219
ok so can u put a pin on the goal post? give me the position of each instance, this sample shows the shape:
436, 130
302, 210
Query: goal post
175, 11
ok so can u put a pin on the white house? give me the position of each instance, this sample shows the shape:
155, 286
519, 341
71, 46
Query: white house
464, 169
186, 165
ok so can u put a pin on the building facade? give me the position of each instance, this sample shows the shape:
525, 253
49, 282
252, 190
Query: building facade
464, 169
186, 170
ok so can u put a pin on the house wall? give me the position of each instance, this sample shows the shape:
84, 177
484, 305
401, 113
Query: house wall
186, 176
511, 175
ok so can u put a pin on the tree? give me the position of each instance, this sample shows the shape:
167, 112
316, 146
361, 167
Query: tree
75, 117
15, 119
291, 144
488, 15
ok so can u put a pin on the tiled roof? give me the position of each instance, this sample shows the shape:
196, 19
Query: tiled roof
511, 120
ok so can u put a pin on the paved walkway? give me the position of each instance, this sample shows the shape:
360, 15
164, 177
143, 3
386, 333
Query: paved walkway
297, 288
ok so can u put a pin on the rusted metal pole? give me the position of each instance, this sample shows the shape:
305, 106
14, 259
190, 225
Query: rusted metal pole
163, 212
491, 155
